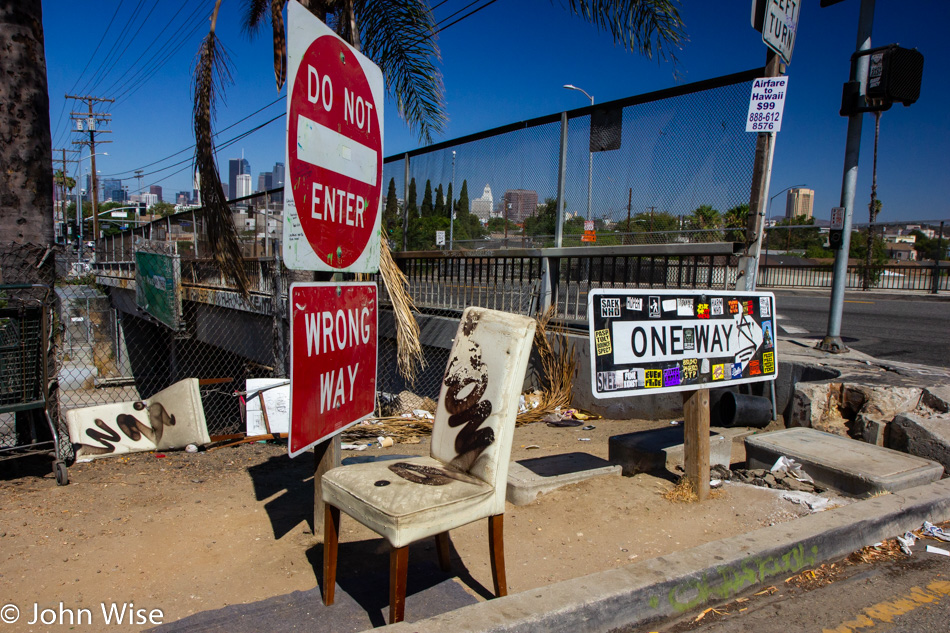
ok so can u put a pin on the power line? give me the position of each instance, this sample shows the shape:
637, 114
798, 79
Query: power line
191, 147
115, 42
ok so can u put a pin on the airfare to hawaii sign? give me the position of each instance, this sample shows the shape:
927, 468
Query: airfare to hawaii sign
655, 341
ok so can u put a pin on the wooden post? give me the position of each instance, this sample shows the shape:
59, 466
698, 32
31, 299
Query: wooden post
696, 440
326, 456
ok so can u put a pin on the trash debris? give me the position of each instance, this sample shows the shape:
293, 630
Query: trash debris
715, 483
589, 427
422, 414
586, 415
931, 530
787, 465
583, 439
676, 422
937, 550
563, 423
385, 442
532, 446
906, 542
778, 480
811, 501
191, 448
354, 447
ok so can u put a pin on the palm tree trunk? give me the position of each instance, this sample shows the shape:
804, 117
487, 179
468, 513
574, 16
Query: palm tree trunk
872, 207
26, 180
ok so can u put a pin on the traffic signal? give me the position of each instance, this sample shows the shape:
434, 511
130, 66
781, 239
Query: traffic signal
835, 238
895, 75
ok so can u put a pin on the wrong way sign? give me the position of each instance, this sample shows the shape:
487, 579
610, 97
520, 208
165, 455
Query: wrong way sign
332, 192
333, 344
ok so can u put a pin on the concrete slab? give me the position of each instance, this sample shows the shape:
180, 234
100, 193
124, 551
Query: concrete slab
529, 478
840, 463
656, 449
924, 436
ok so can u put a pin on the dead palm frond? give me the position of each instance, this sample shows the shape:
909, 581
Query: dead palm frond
408, 342
558, 366
212, 72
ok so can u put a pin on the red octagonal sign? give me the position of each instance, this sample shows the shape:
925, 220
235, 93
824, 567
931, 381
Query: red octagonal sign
334, 154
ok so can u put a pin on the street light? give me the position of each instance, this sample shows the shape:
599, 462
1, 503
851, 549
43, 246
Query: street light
590, 155
452, 207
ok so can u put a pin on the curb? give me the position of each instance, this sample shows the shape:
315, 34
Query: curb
670, 585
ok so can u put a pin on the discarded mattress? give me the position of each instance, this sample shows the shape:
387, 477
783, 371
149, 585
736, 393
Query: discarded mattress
172, 418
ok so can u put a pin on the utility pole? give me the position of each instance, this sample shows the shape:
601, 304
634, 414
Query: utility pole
761, 176
138, 176
859, 71
62, 189
92, 119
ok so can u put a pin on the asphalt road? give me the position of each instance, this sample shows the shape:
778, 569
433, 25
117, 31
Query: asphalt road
904, 596
907, 328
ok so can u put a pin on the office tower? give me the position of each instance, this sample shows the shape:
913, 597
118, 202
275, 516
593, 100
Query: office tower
799, 202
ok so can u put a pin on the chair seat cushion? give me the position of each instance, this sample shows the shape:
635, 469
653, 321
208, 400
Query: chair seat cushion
424, 500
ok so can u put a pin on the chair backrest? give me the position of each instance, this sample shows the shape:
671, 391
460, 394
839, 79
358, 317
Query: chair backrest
475, 420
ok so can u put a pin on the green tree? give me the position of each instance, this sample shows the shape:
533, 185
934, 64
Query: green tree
439, 209
411, 207
163, 209
391, 218
737, 219
448, 200
928, 247
462, 205
544, 220
426, 210
796, 237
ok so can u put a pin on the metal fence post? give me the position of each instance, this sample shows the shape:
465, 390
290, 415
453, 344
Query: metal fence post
405, 206
561, 177
936, 273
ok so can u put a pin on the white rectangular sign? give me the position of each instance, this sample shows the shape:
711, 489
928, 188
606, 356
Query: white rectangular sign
440, 238
780, 27
766, 104
837, 218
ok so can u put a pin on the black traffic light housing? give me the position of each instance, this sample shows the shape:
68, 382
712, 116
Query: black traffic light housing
894, 75
835, 239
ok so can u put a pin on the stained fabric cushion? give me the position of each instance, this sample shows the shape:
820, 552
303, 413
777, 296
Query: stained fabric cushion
403, 510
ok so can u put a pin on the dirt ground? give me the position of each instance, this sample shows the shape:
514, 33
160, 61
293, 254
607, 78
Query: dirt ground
185, 533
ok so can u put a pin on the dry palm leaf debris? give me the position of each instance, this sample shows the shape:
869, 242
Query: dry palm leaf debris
558, 366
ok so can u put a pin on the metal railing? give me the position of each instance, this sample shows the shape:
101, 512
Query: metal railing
931, 278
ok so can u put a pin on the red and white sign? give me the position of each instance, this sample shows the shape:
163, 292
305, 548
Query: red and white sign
333, 340
333, 185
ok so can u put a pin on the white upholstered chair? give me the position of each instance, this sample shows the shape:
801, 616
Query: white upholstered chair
465, 477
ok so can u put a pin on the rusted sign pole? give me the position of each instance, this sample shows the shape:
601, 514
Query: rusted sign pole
326, 455
696, 440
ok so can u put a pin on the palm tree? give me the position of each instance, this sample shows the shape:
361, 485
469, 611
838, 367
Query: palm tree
875, 205
737, 218
705, 218
26, 180
398, 35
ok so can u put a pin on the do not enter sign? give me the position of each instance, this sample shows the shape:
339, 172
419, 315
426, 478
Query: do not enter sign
332, 192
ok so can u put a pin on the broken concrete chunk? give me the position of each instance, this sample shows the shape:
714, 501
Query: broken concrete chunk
923, 436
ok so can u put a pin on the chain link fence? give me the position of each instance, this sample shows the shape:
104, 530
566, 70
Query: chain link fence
673, 166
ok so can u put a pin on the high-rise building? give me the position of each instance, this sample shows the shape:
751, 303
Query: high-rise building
236, 167
157, 190
110, 189
183, 198
799, 202
265, 181
482, 207
278, 181
243, 185
521, 203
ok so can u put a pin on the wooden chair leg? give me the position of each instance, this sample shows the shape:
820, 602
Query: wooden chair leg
331, 539
442, 547
496, 546
398, 568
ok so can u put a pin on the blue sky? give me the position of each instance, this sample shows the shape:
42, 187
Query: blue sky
508, 63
